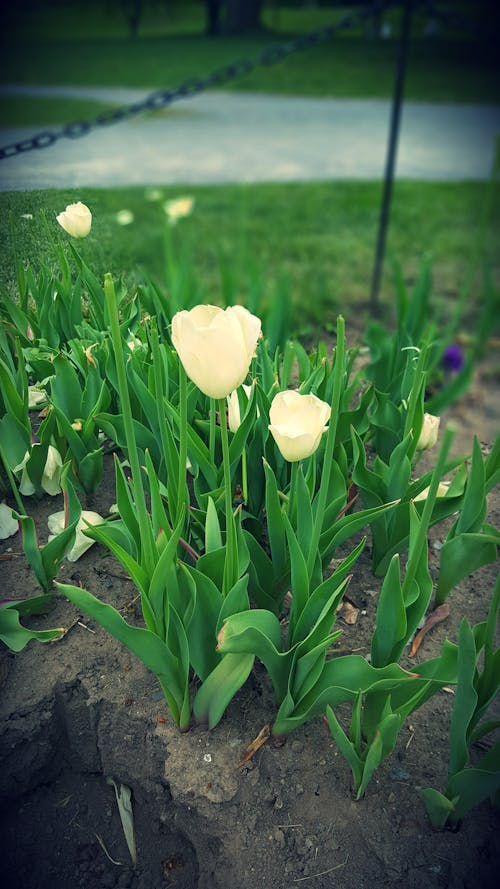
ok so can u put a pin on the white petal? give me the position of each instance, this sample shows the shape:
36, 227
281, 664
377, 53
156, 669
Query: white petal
8, 524
83, 543
36, 396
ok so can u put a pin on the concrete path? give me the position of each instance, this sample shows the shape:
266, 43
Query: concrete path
241, 137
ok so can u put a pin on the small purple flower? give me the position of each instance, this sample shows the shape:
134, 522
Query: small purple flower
453, 359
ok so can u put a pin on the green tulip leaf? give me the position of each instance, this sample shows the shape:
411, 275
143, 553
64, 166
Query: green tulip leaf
220, 687
438, 806
146, 645
462, 555
275, 523
213, 537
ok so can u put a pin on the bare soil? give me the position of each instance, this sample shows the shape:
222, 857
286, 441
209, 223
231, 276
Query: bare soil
79, 711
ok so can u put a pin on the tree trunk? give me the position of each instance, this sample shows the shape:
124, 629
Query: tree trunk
242, 16
133, 12
213, 17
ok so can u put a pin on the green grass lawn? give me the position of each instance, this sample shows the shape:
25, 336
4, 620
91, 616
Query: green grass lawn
18, 111
76, 45
320, 236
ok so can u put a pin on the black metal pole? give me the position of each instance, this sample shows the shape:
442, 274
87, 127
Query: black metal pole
390, 162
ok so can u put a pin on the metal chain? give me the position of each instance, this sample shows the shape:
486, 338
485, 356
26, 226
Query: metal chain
271, 55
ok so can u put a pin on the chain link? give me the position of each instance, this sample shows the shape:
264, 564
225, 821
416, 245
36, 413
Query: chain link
159, 99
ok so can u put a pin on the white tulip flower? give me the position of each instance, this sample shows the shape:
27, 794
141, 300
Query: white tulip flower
216, 346
178, 208
429, 434
297, 423
124, 217
56, 523
153, 194
76, 220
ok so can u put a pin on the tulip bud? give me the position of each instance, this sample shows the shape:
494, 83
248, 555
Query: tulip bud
76, 220
297, 423
233, 408
216, 346
429, 433
441, 492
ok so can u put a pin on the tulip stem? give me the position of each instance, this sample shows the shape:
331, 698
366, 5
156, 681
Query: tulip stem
293, 490
181, 488
231, 562
338, 380
213, 429
10, 476
161, 393
147, 542
172, 276
244, 477
21, 278
430, 500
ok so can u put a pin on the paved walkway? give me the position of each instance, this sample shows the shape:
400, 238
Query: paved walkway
240, 137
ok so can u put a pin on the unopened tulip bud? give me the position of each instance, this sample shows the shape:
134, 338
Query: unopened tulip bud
429, 434
441, 492
233, 408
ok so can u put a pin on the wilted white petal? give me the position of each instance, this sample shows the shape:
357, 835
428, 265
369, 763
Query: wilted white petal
55, 523
82, 543
36, 396
51, 477
8, 524
26, 486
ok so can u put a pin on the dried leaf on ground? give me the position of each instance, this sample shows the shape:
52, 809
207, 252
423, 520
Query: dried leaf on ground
439, 614
348, 612
255, 745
